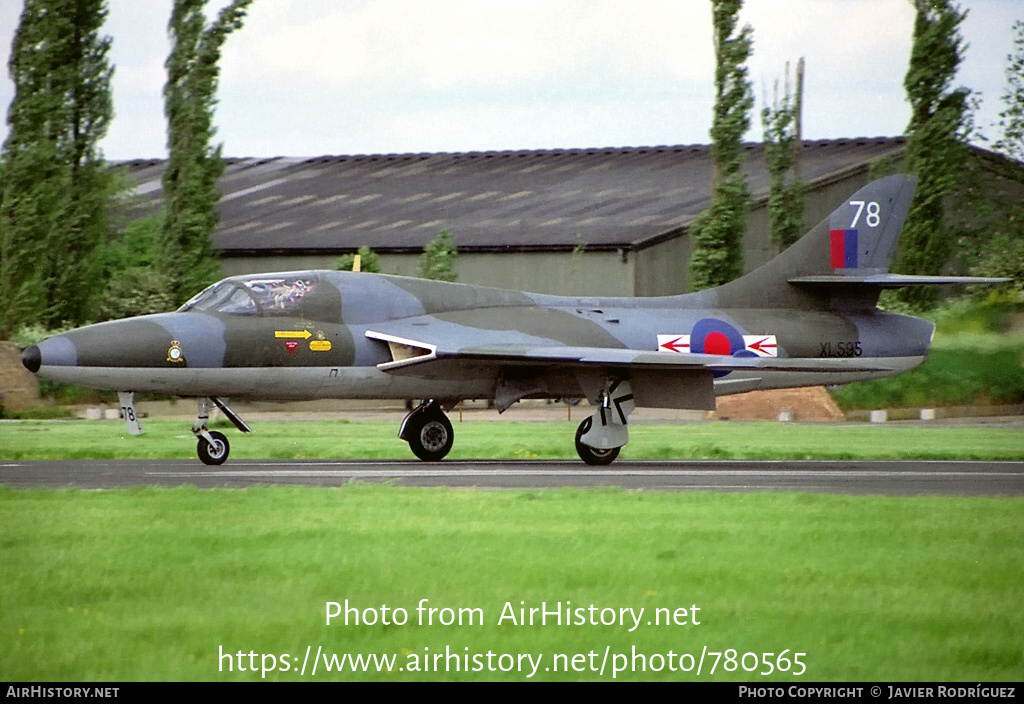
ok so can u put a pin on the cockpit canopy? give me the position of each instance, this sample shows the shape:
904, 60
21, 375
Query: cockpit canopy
255, 295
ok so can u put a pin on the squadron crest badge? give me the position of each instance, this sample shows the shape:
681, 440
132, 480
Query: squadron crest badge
174, 353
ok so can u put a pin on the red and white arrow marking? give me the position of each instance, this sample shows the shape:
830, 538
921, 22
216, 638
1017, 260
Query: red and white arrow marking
761, 345
674, 343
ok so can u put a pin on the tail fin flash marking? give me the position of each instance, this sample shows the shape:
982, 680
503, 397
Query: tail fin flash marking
843, 262
844, 249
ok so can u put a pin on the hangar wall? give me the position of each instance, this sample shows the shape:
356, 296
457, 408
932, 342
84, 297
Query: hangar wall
658, 269
634, 260
661, 268
557, 273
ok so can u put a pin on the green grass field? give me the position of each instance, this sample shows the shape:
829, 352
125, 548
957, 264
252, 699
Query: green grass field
157, 584
172, 584
22, 440
977, 357
962, 370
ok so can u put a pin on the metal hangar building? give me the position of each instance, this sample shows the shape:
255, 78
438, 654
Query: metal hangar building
585, 222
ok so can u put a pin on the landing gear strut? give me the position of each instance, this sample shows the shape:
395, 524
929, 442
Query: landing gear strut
212, 447
428, 432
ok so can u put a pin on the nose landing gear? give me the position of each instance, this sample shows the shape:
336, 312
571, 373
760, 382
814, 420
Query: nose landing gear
213, 450
213, 447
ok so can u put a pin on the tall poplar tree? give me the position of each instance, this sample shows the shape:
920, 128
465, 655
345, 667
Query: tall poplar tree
194, 164
780, 122
717, 233
937, 135
1011, 119
1002, 252
55, 185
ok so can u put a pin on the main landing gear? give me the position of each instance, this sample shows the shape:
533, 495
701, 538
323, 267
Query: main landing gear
600, 437
212, 447
593, 455
430, 435
428, 432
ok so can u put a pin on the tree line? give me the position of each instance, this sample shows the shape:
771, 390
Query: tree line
64, 260
938, 135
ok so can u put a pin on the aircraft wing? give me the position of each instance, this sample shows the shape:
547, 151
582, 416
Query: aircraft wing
423, 356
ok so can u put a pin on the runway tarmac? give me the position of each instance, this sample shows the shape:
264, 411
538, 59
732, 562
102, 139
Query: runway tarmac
898, 478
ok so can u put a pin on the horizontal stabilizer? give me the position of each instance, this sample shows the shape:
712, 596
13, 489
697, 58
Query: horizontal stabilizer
892, 280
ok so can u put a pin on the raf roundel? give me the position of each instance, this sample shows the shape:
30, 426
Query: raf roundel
714, 336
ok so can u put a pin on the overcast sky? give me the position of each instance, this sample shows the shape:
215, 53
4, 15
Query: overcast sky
316, 77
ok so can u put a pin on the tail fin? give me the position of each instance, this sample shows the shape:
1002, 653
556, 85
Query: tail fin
844, 260
863, 232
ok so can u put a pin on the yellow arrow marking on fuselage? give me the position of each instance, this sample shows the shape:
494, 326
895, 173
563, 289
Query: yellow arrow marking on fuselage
290, 334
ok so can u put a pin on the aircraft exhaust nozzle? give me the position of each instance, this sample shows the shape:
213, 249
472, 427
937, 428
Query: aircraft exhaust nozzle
32, 359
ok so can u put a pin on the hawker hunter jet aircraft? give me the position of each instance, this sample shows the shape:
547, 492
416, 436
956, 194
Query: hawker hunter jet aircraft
807, 317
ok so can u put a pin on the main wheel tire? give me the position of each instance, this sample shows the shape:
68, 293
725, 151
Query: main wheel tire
592, 455
431, 436
215, 454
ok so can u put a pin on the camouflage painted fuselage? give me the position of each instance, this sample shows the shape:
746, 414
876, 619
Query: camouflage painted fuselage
321, 348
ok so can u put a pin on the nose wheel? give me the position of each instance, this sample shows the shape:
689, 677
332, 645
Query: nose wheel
212, 447
428, 432
215, 450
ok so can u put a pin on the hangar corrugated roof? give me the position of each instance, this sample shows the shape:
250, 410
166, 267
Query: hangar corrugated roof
514, 200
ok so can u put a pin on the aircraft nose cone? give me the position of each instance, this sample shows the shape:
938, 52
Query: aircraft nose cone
32, 359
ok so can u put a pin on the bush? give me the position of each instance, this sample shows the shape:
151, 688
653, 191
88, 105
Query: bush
136, 291
438, 259
977, 358
369, 261
950, 377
